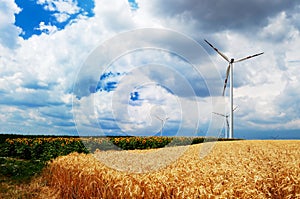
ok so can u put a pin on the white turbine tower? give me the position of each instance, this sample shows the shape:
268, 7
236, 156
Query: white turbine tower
230, 70
227, 122
163, 122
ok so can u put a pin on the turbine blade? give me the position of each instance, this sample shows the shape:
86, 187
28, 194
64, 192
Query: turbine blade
227, 123
224, 56
219, 114
226, 79
158, 117
235, 108
248, 57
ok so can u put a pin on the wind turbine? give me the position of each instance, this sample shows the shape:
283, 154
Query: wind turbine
227, 122
230, 70
163, 122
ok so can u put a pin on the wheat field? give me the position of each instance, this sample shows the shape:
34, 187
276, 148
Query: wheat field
237, 169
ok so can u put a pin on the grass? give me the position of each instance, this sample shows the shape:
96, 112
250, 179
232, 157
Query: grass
16, 177
13, 189
20, 170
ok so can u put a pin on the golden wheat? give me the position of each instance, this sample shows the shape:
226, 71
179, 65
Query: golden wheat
239, 169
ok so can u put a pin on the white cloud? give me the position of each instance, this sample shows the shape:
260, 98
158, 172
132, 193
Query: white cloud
9, 32
279, 28
43, 68
49, 63
61, 17
62, 6
46, 28
63, 9
265, 86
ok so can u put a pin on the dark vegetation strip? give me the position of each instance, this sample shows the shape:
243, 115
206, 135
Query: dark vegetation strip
23, 156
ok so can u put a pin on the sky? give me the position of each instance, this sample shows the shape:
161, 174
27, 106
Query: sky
118, 67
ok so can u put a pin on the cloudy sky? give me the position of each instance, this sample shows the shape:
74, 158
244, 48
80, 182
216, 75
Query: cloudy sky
127, 67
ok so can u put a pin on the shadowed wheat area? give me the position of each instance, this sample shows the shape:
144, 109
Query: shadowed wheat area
239, 169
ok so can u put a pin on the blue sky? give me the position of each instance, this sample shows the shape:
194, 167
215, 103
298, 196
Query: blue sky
33, 13
56, 76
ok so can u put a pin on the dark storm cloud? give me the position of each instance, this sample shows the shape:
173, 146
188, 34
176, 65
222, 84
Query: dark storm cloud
216, 15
